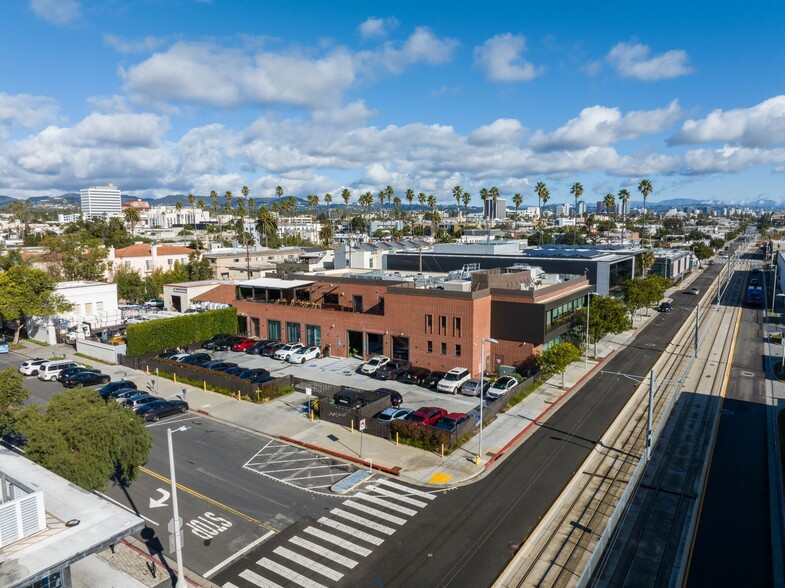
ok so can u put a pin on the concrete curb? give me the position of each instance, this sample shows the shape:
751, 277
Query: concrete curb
396, 471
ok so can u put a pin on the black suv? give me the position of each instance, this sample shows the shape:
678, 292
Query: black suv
666, 307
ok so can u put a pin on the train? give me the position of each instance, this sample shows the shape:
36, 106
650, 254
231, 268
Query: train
754, 296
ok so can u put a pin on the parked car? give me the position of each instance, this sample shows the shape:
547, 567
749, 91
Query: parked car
215, 340
49, 370
666, 307
107, 389
694, 291
234, 371
222, 366
165, 355
392, 369
154, 304
472, 387
348, 398
63, 375
369, 367
269, 349
196, 358
254, 373
754, 282
143, 408
501, 386
83, 379
135, 402
257, 347
122, 394
242, 344
395, 397
393, 414
433, 379
262, 379
226, 344
30, 367
453, 380
450, 422
304, 354
166, 408
426, 415
285, 351
415, 375
178, 356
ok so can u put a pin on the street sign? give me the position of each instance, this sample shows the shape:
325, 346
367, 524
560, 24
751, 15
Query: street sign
362, 424
173, 545
170, 526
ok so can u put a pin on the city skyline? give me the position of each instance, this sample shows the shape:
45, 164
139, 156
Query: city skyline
194, 96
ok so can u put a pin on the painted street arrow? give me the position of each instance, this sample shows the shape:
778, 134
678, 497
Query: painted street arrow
161, 501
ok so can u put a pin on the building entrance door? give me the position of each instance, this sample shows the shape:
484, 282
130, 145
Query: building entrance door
354, 341
400, 348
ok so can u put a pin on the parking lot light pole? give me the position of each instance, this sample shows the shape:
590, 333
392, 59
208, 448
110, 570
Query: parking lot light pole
482, 385
178, 538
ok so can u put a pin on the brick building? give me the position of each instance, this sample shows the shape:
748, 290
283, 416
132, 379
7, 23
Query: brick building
438, 326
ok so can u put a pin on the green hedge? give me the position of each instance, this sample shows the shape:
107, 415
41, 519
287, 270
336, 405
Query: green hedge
180, 330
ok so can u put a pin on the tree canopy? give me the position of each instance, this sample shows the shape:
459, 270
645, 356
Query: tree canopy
606, 315
27, 292
558, 358
12, 395
85, 439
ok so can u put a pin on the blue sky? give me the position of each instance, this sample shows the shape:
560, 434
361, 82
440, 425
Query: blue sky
185, 96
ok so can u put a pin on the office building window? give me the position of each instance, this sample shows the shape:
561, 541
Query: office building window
444, 348
292, 332
456, 326
457, 351
430, 347
357, 303
429, 324
313, 335
442, 325
274, 330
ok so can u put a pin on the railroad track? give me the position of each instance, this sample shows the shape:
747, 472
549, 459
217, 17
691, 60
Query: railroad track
557, 552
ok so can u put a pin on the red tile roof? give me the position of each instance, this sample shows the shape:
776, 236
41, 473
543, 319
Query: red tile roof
144, 250
225, 293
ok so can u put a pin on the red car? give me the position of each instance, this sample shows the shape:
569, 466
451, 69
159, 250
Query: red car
243, 343
426, 415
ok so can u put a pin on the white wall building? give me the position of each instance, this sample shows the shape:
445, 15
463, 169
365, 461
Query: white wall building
144, 258
101, 201
168, 216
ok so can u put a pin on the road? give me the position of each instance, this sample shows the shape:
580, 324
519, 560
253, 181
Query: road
733, 542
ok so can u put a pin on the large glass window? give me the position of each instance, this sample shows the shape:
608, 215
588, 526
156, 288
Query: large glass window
292, 332
313, 335
274, 330
428, 324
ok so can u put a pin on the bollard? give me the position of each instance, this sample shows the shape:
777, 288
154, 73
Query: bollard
238, 396
477, 459
204, 385
370, 465
174, 377
352, 425
147, 369
396, 438
442, 450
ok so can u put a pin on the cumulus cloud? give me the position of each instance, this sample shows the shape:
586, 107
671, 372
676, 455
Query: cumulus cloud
422, 46
759, 126
25, 110
57, 12
500, 131
731, 159
600, 125
377, 27
501, 58
122, 45
634, 60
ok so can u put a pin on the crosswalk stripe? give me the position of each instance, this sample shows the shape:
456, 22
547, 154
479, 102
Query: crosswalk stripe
323, 551
375, 512
406, 499
361, 521
256, 580
386, 503
367, 537
405, 489
336, 540
230, 585
308, 563
290, 575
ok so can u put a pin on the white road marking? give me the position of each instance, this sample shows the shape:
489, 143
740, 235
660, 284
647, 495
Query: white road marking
323, 551
375, 512
230, 585
289, 478
361, 521
351, 531
386, 503
308, 563
336, 540
257, 580
406, 499
406, 489
238, 555
170, 421
128, 509
301, 469
290, 575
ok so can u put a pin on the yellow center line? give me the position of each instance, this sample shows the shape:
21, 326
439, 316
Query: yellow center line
210, 500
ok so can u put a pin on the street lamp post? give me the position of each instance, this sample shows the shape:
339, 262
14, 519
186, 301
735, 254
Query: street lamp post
178, 537
482, 384
588, 311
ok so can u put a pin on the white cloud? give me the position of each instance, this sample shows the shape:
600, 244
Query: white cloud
500, 131
422, 46
56, 12
634, 60
501, 58
122, 45
377, 27
600, 125
25, 110
731, 159
344, 117
759, 126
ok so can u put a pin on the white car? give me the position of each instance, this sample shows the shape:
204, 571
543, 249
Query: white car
501, 386
369, 367
285, 351
453, 380
30, 367
304, 354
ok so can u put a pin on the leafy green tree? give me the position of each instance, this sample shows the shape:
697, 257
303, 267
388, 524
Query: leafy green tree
12, 397
606, 315
132, 216
572, 235
198, 267
702, 251
558, 358
717, 243
79, 256
266, 224
86, 440
11, 258
130, 285
634, 295
27, 292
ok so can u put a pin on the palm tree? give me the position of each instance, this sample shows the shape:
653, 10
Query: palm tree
132, 217
624, 198
389, 192
577, 191
542, 198
484, 195
432, 205
192, 202
457, 193
422, 197
266, 224
517, 200
610, 202
279, 192
328, 200
382, 195
201, 206
178, 206
397, 202
245, 191
366, 200
326, 234
217, 211
645, 188
313, 202
410, 198
346, 194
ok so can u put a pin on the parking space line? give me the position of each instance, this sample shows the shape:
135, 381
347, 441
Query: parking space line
319, 476
324, 552
336, 540
301, 459
361, 521
308, 563
290, 575
301, 469
374, 512
351, 531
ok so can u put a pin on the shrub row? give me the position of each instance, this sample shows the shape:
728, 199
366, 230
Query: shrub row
174, 332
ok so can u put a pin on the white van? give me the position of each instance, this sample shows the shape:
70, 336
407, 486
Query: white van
48, 371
